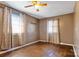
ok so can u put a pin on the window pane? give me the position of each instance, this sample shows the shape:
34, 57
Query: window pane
55, 29
15, 23
55, 23
50, 23
53, 26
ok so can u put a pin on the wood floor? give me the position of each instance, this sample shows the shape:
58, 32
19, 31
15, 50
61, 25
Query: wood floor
42, 49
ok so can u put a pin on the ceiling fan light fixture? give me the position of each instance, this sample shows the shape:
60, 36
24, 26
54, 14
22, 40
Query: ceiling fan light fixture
36, 7
37, 10
37, 4
34, 2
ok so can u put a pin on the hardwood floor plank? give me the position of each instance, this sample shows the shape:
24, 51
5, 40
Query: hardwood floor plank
42, 49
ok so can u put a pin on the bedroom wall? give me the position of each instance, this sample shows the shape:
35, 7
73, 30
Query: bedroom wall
30, 35
76, 29
66, 28
43, 30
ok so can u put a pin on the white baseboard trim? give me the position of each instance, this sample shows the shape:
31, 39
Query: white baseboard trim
12, 49
75, 51
66, 44
42, 41
73, 48
59, 43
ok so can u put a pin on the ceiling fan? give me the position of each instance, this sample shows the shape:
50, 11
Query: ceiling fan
36, 3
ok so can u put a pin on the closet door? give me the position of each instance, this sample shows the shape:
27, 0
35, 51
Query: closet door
1, 25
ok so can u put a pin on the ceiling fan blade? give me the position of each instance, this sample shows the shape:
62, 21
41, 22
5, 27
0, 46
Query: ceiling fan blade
45, 4
29, 6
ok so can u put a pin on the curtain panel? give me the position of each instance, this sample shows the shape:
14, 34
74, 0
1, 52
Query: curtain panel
22, 34
13, 29
1, 25
6, 41
53, 31
18, 26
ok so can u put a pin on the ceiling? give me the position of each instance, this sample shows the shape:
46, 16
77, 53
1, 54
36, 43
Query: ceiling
54, 8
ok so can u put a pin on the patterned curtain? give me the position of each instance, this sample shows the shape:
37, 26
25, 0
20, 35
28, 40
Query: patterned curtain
18, 26
13, 29
6, 41
1, 25
22, 34
53, 32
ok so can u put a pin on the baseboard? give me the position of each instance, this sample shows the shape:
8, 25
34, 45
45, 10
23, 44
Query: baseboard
12, 49
75, 51
67, 44
36, 42
42, 41
59, 43
72, 46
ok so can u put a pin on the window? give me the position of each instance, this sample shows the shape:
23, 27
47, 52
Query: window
15, 23
52, 26
50, 23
